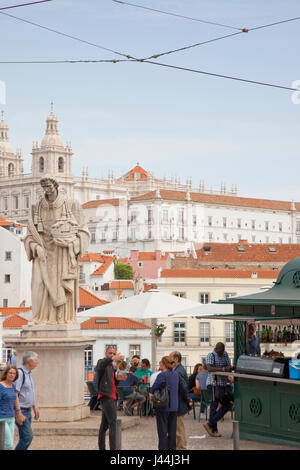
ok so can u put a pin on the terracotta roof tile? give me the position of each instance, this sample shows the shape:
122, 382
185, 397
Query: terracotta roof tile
254, 253
143, 175
112, 324
100, 202
11, 310
14, 322
219, 199
6, 223
107, 262
219, 273
90, 257
121, 284
87, 299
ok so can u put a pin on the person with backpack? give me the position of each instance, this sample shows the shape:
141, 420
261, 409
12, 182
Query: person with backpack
25, 390
166, 416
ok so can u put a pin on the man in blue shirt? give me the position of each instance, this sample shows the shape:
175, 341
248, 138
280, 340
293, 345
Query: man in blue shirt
129, 390
25, 388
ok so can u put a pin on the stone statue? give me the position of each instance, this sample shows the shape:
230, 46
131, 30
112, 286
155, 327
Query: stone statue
56, 237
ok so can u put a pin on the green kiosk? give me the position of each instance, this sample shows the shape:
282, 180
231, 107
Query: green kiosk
267, 396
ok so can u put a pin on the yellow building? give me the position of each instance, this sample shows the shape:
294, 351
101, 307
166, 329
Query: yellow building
193, 337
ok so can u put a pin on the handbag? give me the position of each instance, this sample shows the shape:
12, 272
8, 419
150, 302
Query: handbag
161, 397
196, 391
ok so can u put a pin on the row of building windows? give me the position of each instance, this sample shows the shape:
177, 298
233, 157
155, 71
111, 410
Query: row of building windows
179, 334
253, 224
204, 297
16, 202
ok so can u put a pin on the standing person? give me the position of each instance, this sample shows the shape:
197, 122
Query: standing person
217, 361
25, 389
9, 405
12, 360
183, 400
253, 341
105, 382
166, 418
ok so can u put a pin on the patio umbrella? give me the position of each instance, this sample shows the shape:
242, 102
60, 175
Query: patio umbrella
147, 305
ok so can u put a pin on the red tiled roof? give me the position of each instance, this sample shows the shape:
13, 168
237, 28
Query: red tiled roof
87, 299
14, 321
171, 195
113, 324
100, 202
6, 223
142, 174
121, 284
219, 273
254, 253
148, 287
107, 262
90, 257
11, 310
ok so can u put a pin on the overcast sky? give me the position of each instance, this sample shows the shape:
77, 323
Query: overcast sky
173, 122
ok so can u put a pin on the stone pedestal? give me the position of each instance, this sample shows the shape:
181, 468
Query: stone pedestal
59, 376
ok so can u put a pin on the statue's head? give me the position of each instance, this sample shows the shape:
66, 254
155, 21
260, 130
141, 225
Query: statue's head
49, 184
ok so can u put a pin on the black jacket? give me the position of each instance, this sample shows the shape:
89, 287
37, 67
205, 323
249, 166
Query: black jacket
103, 377
183, 391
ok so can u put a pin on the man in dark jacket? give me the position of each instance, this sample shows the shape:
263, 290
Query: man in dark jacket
183, 400
105, 382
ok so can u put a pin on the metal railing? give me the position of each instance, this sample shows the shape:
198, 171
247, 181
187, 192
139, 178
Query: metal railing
193, 341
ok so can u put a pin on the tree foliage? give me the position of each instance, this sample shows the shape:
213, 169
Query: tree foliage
123, 271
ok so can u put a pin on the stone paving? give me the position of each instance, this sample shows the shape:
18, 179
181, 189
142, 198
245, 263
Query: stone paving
138, 434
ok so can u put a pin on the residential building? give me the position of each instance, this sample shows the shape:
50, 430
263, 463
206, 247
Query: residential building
193, 337
15, 269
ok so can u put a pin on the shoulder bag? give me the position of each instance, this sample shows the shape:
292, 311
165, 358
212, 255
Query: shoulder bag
161, 397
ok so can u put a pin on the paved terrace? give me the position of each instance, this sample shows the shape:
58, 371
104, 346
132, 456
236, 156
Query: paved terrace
138, 433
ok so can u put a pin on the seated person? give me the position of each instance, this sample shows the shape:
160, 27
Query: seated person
144, 371
129, 391
192, 383
200, 380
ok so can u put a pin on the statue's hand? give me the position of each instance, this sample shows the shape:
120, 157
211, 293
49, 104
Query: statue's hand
41, 253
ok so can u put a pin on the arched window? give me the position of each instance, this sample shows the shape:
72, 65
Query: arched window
11, 169
61, 164
42, 164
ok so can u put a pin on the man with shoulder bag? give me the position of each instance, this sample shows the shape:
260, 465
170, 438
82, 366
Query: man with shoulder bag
217, 361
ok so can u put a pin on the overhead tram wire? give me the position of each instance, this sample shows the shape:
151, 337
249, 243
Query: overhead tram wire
127, 56
24, 4
217, 75
177, 15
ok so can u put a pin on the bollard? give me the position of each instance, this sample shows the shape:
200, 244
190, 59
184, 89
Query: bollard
119, 435
2, 435
236, 435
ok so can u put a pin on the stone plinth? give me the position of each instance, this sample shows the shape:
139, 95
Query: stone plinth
59, 376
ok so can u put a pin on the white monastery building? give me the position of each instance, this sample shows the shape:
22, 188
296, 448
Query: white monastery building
137, 210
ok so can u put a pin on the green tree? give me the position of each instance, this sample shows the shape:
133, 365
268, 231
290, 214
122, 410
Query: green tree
123, 271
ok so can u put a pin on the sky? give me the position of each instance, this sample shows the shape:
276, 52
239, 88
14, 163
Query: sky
173, 122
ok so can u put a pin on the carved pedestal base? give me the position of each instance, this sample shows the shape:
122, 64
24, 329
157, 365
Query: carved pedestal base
59, 376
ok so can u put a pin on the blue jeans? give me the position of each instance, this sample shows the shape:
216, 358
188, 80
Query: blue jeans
25, 432
215, 414
198, 398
